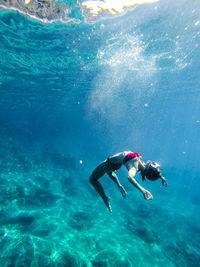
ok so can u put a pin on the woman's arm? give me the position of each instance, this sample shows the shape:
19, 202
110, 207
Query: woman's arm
131, 175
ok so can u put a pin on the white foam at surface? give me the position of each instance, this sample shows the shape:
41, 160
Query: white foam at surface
113, 6
27, 1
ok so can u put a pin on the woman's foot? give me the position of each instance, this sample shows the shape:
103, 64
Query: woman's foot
107, 202
123, 191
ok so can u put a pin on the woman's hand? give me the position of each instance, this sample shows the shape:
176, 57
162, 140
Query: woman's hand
147, 195
164, 181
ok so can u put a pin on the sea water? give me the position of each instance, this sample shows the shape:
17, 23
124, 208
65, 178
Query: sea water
72, 94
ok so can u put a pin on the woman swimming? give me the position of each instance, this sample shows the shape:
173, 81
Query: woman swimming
134, 163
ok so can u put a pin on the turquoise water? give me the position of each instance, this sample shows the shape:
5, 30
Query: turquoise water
73, 94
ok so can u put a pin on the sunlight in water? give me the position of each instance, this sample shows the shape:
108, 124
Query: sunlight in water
122, 56
113, 6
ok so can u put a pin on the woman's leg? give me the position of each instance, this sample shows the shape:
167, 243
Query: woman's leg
98, 173
114, 177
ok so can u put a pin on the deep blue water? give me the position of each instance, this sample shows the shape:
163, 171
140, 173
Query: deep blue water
82, 92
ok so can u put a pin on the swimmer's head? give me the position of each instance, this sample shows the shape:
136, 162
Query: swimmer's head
152, 170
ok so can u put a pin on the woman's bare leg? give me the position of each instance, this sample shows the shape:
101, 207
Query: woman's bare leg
98, 173
114, 177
